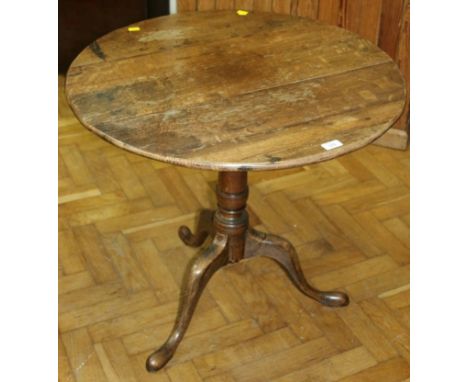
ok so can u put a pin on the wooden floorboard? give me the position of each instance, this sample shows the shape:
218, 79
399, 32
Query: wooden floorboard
121, 266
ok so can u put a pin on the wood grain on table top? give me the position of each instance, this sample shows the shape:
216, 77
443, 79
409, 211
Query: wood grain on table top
219, 91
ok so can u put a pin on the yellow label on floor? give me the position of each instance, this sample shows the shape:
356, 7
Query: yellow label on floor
133, 29
240, 12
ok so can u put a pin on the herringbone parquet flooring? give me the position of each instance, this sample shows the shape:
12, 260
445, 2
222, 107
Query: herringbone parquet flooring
121, 265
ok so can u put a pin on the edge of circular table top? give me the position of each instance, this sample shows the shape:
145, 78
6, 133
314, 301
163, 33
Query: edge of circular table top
275, 163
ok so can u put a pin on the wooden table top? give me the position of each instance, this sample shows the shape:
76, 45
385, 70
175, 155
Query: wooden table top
220, 91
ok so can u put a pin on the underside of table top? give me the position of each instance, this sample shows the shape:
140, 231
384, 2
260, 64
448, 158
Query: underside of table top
219, 91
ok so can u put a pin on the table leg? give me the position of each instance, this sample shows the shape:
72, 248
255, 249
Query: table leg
201, 270
283, 252
233, 241
204, 228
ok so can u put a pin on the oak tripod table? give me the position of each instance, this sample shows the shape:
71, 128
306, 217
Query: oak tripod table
230, 93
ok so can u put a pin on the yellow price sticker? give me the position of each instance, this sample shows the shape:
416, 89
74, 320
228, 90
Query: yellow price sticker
240, 12
133, 29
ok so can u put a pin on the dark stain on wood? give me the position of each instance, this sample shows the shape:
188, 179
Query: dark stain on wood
244, 168
273, 159
97, 50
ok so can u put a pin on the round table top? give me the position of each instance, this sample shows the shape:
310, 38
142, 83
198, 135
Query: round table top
216, 90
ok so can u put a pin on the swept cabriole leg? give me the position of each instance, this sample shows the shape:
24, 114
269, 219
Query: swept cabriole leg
283, 252
204, 266
191, 239
204, 228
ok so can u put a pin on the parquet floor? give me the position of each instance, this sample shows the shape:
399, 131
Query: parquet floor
121, 265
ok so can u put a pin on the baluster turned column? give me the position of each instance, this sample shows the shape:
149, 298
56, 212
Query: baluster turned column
231, 216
